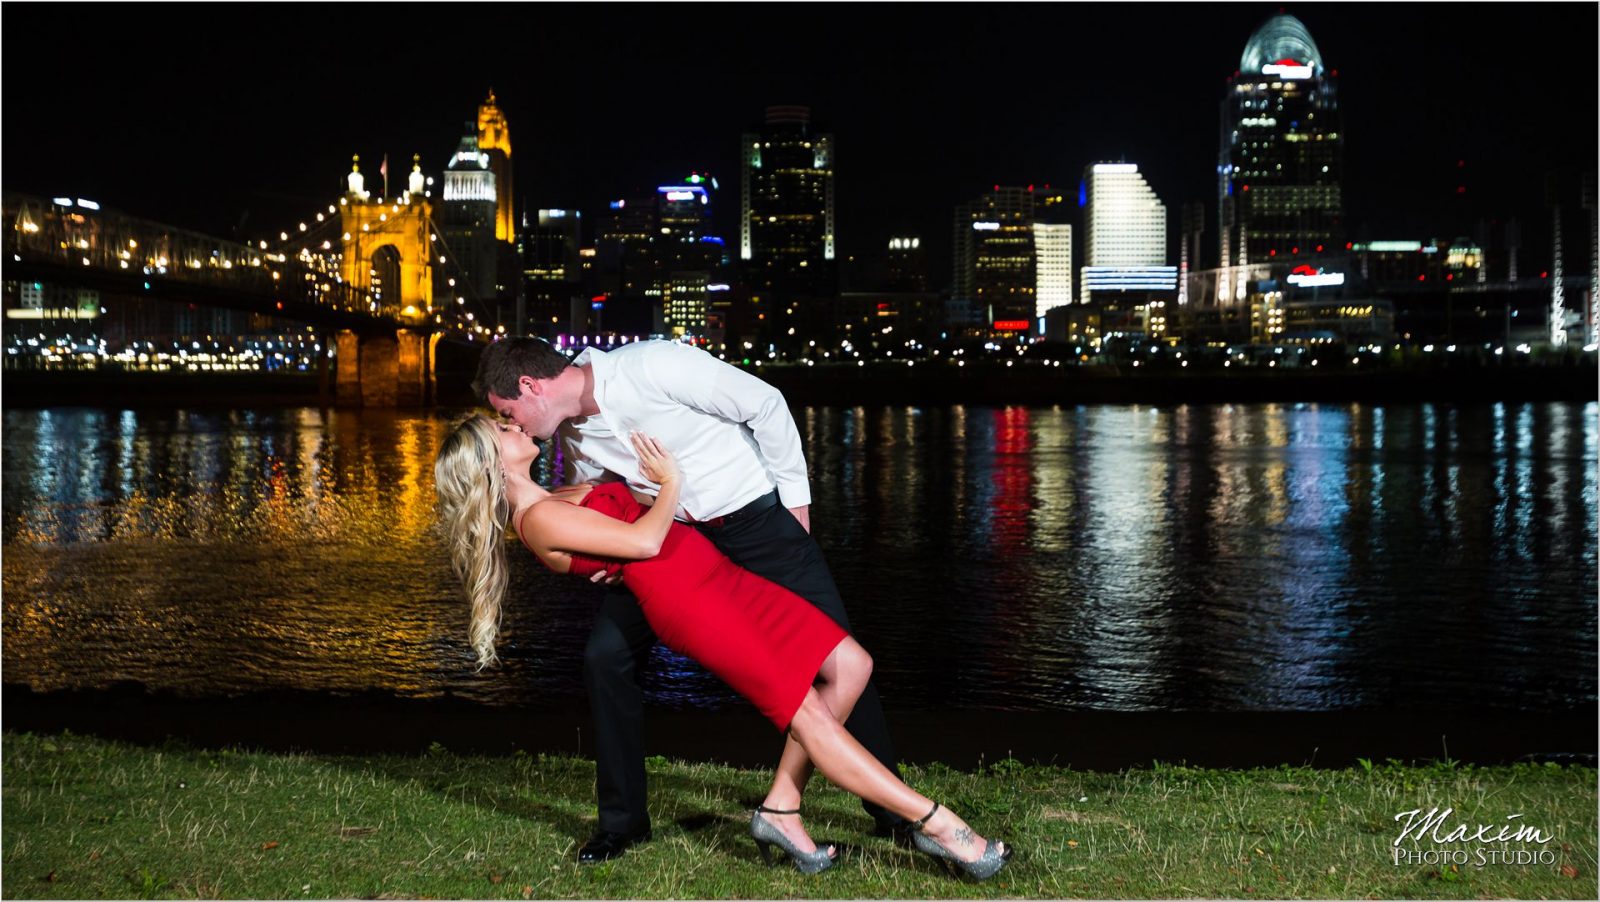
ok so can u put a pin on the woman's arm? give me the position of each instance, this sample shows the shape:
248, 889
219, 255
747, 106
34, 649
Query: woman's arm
575, 530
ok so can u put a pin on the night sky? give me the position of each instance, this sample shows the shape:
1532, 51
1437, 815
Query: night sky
239, 120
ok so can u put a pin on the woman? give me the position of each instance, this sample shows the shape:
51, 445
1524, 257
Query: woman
774, 648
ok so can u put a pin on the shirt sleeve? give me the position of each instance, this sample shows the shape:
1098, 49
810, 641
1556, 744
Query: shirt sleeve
700, 381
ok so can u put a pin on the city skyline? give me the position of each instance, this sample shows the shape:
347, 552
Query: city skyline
236, 138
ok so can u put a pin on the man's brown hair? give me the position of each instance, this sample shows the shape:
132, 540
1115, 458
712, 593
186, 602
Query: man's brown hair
505, 362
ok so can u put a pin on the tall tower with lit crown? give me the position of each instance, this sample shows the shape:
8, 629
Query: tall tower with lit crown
494, 141
1279, 165
467, 220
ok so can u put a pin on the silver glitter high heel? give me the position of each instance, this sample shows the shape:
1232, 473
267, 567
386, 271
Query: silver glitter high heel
766, 835
987, 865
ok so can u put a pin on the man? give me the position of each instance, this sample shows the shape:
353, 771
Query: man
745, 488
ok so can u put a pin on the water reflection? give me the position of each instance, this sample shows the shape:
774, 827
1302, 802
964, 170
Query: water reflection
1275, 556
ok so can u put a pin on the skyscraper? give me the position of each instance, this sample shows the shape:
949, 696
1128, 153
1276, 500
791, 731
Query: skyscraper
687, 254
995, 278
1125, 233
467, 224
1052, 248
1279, 167
786, 223
551, 274
625, 247
906, 267
494, 142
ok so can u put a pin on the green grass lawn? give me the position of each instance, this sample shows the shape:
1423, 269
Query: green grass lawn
89, 818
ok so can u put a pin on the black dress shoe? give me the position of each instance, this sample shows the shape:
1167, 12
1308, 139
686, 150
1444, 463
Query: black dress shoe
605, 845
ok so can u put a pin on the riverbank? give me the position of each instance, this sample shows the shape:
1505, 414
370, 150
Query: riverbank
381, 723
87, 818
88, 388
993, 383
892, 383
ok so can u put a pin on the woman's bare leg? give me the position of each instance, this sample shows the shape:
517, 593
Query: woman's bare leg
843, 676
843, 760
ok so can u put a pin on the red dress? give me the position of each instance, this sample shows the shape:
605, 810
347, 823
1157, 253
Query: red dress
764, 641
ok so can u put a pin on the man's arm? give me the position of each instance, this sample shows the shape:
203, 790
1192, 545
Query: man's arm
700, 381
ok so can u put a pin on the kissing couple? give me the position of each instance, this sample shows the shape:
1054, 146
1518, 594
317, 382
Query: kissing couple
687, 493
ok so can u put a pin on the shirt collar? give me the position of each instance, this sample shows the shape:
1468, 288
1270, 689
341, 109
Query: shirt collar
589, 355
600, 369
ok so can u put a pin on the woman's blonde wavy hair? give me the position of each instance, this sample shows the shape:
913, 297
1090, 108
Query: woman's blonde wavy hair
473, 512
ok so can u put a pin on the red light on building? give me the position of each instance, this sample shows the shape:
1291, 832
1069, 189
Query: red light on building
1544, 275
1348, 245
1461, 189
1010, 325
1450, 277
1273, 252
599, 298
1294, 250
280, 305
883, 306
1030, 189
1422, 278
1319, 248
1304, 269
1244, 188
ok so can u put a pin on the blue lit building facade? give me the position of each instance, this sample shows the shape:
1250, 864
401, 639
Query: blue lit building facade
689, 257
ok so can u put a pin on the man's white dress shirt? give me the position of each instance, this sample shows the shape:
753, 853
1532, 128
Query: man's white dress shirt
731, 433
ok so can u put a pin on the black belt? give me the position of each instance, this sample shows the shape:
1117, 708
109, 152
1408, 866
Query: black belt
759, 506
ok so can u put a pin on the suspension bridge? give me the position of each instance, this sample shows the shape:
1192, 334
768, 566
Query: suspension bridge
364, 270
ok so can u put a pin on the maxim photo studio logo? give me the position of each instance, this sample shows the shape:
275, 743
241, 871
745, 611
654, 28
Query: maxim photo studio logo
1514, 841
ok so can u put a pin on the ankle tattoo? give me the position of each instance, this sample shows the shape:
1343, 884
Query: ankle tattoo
964, 836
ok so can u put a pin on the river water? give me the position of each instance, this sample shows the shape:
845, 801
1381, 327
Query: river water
1266, 557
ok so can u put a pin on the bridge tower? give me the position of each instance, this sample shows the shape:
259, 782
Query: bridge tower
386, 246
388, 253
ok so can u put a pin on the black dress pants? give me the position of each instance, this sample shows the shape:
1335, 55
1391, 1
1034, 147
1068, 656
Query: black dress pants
771, 544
